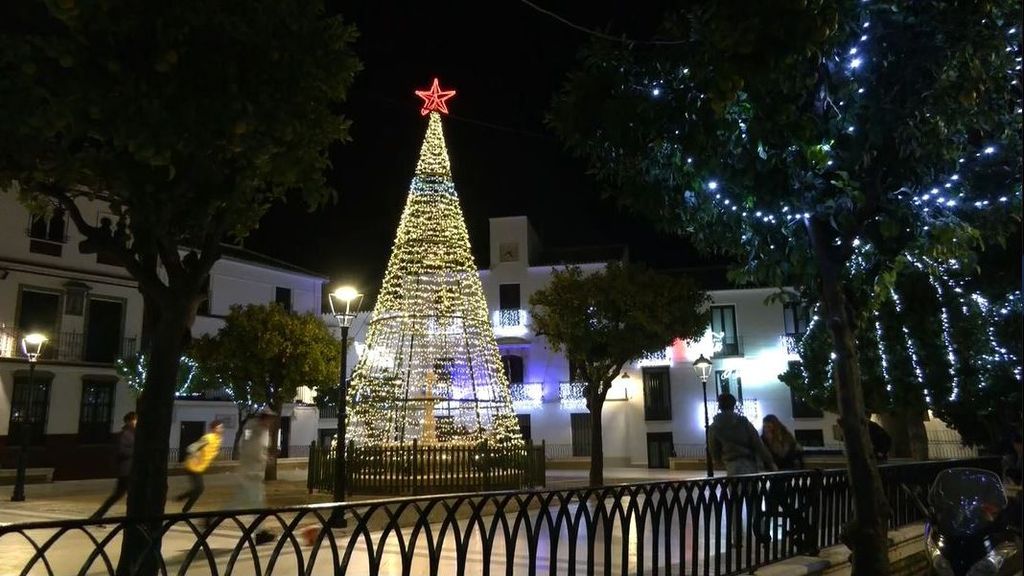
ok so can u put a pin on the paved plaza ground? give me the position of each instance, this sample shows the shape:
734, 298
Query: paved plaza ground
80, 498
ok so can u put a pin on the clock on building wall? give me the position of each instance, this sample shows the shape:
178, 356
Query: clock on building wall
508, 252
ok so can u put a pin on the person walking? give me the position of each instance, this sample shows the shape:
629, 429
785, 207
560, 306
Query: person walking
125, 450
252, 466
782, 493
735, 443
200, 454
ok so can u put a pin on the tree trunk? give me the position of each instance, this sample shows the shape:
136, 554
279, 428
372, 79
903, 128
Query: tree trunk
867, 535
596, 404
895, 423
909, 436
147, 490
275, 426
242, 420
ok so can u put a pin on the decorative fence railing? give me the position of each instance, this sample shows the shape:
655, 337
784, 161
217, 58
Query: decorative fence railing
720, 526
418, 469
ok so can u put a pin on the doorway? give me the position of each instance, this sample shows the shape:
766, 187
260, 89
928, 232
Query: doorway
103, 330
580, 426
191, 430
659, 449
284, 436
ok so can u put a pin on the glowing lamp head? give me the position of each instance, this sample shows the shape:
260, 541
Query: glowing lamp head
32, 345
346, 294
345, 303
702, 366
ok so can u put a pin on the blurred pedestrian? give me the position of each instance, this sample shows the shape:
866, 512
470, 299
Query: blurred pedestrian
735, 443
125, 451
252, 466
200, 454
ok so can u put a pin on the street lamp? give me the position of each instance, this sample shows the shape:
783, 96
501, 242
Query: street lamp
32, 346
702, 366
345, 302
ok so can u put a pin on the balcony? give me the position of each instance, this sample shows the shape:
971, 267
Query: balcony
572, 395
727, 346
526, 396
510, 323
791, 343
69, 347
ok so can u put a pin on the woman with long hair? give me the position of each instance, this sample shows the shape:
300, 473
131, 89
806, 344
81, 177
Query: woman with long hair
784, 496
786, 452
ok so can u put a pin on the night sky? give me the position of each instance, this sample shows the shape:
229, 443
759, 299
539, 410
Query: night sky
506, 61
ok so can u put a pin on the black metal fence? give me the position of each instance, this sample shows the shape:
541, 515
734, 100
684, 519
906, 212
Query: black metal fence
418, 469
718, 526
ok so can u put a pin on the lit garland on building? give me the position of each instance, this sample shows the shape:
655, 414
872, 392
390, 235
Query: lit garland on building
431, 371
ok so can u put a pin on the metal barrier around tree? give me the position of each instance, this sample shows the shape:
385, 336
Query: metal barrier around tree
721, 526
418, 469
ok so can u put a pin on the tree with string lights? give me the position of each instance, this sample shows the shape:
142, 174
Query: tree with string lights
826, 145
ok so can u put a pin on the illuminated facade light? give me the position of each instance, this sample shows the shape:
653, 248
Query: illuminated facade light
572, 395
527, 397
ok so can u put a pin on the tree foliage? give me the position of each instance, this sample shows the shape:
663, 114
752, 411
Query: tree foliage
263, 354
187, 119
824, 144
937, 350
605, 319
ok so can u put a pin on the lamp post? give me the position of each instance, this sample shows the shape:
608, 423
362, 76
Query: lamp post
345, 302
702, 366
32, 346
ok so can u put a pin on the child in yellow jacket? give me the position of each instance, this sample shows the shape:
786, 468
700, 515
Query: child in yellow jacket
200, 454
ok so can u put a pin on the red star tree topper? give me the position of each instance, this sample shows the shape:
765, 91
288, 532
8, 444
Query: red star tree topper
434, 98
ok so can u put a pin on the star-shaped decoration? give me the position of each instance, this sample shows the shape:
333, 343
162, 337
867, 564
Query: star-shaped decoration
434, 98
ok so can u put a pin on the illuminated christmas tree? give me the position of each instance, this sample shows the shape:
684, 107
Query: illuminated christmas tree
430, 370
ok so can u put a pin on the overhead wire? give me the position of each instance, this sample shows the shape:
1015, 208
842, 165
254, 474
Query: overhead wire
600, 34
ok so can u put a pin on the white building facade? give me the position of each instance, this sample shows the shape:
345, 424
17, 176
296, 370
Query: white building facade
655, 410
91, 311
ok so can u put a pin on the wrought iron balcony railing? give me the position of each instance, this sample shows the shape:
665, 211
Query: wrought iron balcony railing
69, 347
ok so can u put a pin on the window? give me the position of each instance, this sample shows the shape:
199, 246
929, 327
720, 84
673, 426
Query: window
283, 296
727, 382
723, 327
96, 412
796, 318
803, 409
524, 426
47, 233
657, 395
509, 303
39, 311
575, 372
813, 438
513, 368
74, 297
29, 405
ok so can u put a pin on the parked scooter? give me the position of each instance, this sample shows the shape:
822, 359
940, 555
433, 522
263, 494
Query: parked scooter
968, 532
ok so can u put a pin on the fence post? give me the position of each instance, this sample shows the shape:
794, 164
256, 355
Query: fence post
815, 501
311, 466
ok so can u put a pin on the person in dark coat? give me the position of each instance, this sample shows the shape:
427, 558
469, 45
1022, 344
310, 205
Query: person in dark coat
881, 442
786, 452
125, 450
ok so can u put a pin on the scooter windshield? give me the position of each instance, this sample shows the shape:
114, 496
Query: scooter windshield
966, 500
